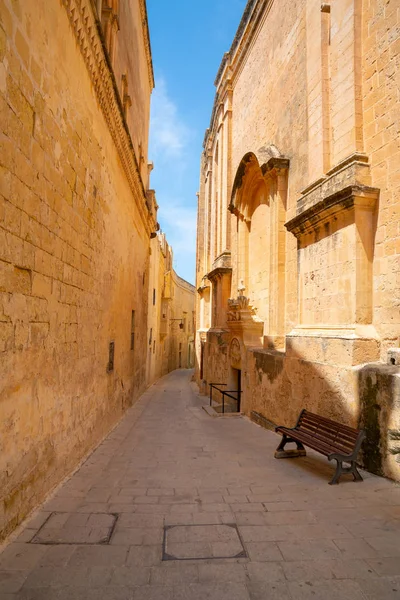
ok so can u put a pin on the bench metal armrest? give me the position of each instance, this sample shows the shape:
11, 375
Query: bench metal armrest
284, 427
353, 455
345, 457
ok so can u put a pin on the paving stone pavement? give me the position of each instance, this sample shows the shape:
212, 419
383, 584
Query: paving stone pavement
171, 482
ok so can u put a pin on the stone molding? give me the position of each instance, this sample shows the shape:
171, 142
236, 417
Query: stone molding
218, 273
203, 288
346, 199
352, 171
146, 39
254, 13
222, 261
87, 30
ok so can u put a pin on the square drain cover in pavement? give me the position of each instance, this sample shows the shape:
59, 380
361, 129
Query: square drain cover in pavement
191, 542
76, 528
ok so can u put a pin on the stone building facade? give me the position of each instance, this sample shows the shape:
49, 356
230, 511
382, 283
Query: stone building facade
171, 314
298, 250
76, 218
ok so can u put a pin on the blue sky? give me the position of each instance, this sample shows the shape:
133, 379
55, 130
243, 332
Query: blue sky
188, 40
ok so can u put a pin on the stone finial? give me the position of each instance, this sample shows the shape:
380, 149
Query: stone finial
241, 287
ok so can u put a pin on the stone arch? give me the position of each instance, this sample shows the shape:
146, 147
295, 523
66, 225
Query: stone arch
258, 200
254, 171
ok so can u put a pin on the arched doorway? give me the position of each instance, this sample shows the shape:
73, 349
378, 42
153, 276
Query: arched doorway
259, 202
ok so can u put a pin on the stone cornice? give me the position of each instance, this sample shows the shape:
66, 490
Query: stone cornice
345, 199
146, 38
218, 272
87, 30
183, 283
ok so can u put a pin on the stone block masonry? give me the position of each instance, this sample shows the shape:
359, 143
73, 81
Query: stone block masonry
74, 246
298, 289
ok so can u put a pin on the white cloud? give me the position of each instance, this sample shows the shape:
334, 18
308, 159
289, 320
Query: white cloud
169, 134
171, 141
179, 223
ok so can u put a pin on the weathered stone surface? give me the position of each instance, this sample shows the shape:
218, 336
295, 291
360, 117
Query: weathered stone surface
300, 184
74, 238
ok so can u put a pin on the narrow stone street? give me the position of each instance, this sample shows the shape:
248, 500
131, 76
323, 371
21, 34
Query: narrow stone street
177, 505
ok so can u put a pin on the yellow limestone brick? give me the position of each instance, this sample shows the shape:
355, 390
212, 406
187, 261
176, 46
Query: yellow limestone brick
20, 104
3, 44
41, 285
6, 19
6, 336
22, 47
38, 332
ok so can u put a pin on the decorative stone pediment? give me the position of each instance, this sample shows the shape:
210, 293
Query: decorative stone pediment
243, 321
240, 309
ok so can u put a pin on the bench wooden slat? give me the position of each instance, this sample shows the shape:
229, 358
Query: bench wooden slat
312, 442
335, 438
331, 435
328, 432
333, 424
335, 430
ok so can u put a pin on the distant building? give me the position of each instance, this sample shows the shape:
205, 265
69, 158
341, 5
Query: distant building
171, 314
76, 218
298, 249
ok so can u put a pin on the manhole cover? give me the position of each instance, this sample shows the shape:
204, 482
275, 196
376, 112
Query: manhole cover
191, 542
76, 528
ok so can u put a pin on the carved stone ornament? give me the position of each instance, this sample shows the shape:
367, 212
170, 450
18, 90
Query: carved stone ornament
234, 352
240, 309
85, 27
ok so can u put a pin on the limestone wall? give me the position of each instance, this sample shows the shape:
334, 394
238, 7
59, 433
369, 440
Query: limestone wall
182, 308
381, 81
171, 304
74, 251
307, 104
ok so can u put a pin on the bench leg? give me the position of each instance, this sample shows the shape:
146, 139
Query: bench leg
355, 471
338, 472
280, 452
340, 469
283, 443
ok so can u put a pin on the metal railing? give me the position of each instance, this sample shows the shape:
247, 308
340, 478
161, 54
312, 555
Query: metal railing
227, 393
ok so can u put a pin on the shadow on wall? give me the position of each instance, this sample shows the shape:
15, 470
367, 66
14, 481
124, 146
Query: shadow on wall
278, 384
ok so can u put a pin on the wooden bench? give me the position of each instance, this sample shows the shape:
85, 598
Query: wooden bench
334, 440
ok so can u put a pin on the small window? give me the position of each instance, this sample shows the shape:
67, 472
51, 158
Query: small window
111, 348
151, 336
154, 347
154, 296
